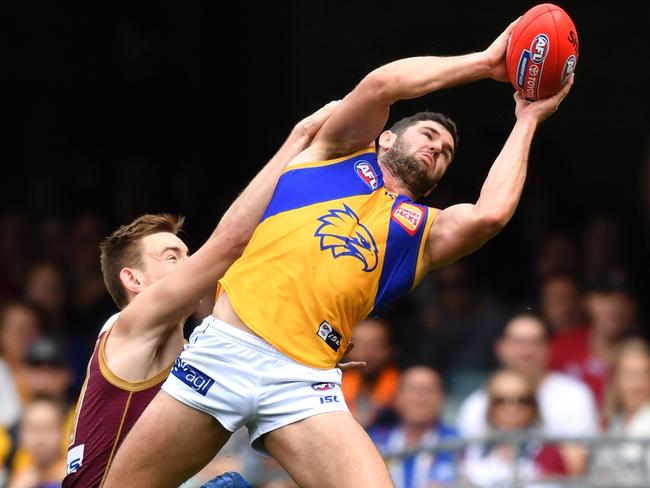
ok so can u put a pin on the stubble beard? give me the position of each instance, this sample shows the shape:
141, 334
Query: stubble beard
408, 169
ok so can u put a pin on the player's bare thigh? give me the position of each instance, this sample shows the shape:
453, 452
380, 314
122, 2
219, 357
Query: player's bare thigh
328, 450
168, 444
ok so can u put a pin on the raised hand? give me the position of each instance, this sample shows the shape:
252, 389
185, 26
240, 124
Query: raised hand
543, 108
495, 55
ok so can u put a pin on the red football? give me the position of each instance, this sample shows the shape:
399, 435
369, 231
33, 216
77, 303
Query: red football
542, 51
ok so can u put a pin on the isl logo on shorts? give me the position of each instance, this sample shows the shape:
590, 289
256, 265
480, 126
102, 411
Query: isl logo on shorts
192, 377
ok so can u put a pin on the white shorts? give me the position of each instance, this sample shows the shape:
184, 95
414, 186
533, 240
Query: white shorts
240, 379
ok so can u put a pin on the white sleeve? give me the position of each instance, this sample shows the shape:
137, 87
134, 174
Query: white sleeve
109, 323
10, 404
571, 407
585, 422
472, 415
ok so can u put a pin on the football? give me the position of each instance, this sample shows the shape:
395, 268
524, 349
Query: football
542, 51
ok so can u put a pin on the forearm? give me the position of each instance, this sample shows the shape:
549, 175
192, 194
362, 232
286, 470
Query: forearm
364, 111
246, 211
503, 186
193, 279
417, 76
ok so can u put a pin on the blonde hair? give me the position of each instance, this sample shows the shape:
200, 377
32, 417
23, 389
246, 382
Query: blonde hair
629, 347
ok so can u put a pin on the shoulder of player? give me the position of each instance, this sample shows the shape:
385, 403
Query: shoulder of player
324, 152
128, 351
133, 327
434, 212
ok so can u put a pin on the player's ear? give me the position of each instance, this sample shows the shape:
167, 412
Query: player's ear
387, 139
132, 279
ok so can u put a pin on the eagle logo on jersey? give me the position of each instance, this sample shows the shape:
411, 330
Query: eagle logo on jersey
341, 233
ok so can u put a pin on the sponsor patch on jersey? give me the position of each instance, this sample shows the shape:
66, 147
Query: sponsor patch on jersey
408, 216
75, 458
192, 377
323, 386
329, 335
366, 172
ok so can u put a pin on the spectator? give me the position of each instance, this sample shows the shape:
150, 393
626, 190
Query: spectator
10, 404
566, 405
558, 254
628, 414
458, 327
604, 248
20, 326
41, 430
45, 287
371, 390
5, 449
52, 239
588, 353
48, 372
87, 283
418, 404
561, 303
48, 375
513, 409
16, 240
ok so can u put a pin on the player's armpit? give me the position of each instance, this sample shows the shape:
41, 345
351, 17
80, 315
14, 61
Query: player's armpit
458, 231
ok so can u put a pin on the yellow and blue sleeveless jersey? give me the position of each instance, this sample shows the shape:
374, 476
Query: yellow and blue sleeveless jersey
332, 246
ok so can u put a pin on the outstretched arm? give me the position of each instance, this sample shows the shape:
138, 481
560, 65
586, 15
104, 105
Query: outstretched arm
461, 229
362, 114
163, 304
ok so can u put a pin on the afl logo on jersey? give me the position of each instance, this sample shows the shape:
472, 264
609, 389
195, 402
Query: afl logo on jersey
323, 386
341, 233
366, 172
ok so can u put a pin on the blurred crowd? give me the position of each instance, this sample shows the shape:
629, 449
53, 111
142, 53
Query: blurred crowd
455, 361
541, 332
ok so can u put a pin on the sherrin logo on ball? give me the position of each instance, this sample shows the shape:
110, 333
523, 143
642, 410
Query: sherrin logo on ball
542, 51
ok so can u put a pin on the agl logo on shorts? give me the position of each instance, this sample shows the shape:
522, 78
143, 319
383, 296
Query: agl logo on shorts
192, 377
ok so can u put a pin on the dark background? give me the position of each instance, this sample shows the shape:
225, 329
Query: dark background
122, 110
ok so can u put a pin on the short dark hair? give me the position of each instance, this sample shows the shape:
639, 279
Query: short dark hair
121, 249
401, 125
527, 311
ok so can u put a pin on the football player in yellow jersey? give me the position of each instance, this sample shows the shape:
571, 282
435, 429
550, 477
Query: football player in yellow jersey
341, 237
